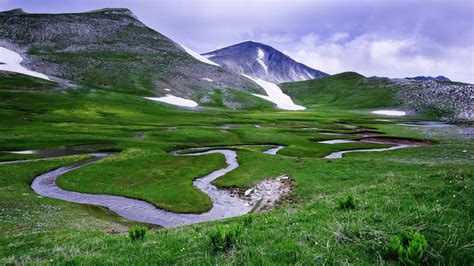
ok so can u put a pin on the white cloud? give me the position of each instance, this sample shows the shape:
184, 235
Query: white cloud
375, 55
340, 36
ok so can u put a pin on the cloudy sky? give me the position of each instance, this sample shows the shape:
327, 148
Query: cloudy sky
395, 38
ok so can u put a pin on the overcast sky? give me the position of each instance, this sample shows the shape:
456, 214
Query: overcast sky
378, 37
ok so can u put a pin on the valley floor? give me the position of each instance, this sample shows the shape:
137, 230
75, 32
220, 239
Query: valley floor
427, 189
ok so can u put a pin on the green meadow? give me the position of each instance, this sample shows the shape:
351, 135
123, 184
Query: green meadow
425, 189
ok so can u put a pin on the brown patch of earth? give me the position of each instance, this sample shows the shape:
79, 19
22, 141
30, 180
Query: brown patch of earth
397, 140
268, 193
367, 133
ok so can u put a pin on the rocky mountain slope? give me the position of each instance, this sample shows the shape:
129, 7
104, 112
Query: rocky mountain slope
443, 100
111, 49
263, 62
448, 101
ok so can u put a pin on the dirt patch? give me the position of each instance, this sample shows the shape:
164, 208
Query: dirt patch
396, 140
367, 133
266, 194
365, 128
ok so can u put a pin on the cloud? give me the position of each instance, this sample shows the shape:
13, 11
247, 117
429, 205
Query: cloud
339, 36
374, 37
375, 55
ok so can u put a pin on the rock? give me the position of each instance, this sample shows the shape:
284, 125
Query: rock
248, 191
266, 194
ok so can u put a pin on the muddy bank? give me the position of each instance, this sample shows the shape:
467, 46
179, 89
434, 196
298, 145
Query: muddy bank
425, 124
397, 140
70, 150
45, 154
367, 133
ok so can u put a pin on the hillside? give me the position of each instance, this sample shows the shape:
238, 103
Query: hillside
443, 100
111, 49
347, 90
263, 62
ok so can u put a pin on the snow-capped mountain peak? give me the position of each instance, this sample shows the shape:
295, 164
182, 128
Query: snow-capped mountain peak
263, 62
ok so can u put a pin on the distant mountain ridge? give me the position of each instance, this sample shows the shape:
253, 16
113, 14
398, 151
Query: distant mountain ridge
426, 78
263, 62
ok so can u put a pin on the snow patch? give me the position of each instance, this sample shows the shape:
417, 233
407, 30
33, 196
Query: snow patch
10, 61
207, 79
336, 141
389, 112
170, 99
198, 56
261, 59
309, 75
276, 95
24, 152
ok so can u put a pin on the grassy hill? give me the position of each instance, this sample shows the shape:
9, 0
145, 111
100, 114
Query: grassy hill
426, 189
344, 90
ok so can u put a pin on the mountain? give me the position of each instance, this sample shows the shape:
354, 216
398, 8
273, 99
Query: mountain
423, 78
446, 101
110, 49
263, 62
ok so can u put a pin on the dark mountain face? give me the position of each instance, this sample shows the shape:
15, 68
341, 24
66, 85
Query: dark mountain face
111, 49
423, 78
263, 62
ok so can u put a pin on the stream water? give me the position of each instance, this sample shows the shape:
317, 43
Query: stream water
224, 204
339, 154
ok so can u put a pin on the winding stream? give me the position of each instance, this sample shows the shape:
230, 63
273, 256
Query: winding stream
224, 205
339, 154
274, 151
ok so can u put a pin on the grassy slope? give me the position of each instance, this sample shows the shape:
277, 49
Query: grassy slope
112, 50
427, 189
346, 90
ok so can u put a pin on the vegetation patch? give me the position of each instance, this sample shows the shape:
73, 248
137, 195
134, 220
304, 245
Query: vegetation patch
224, 238
408, 247
137, 232
347, 202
